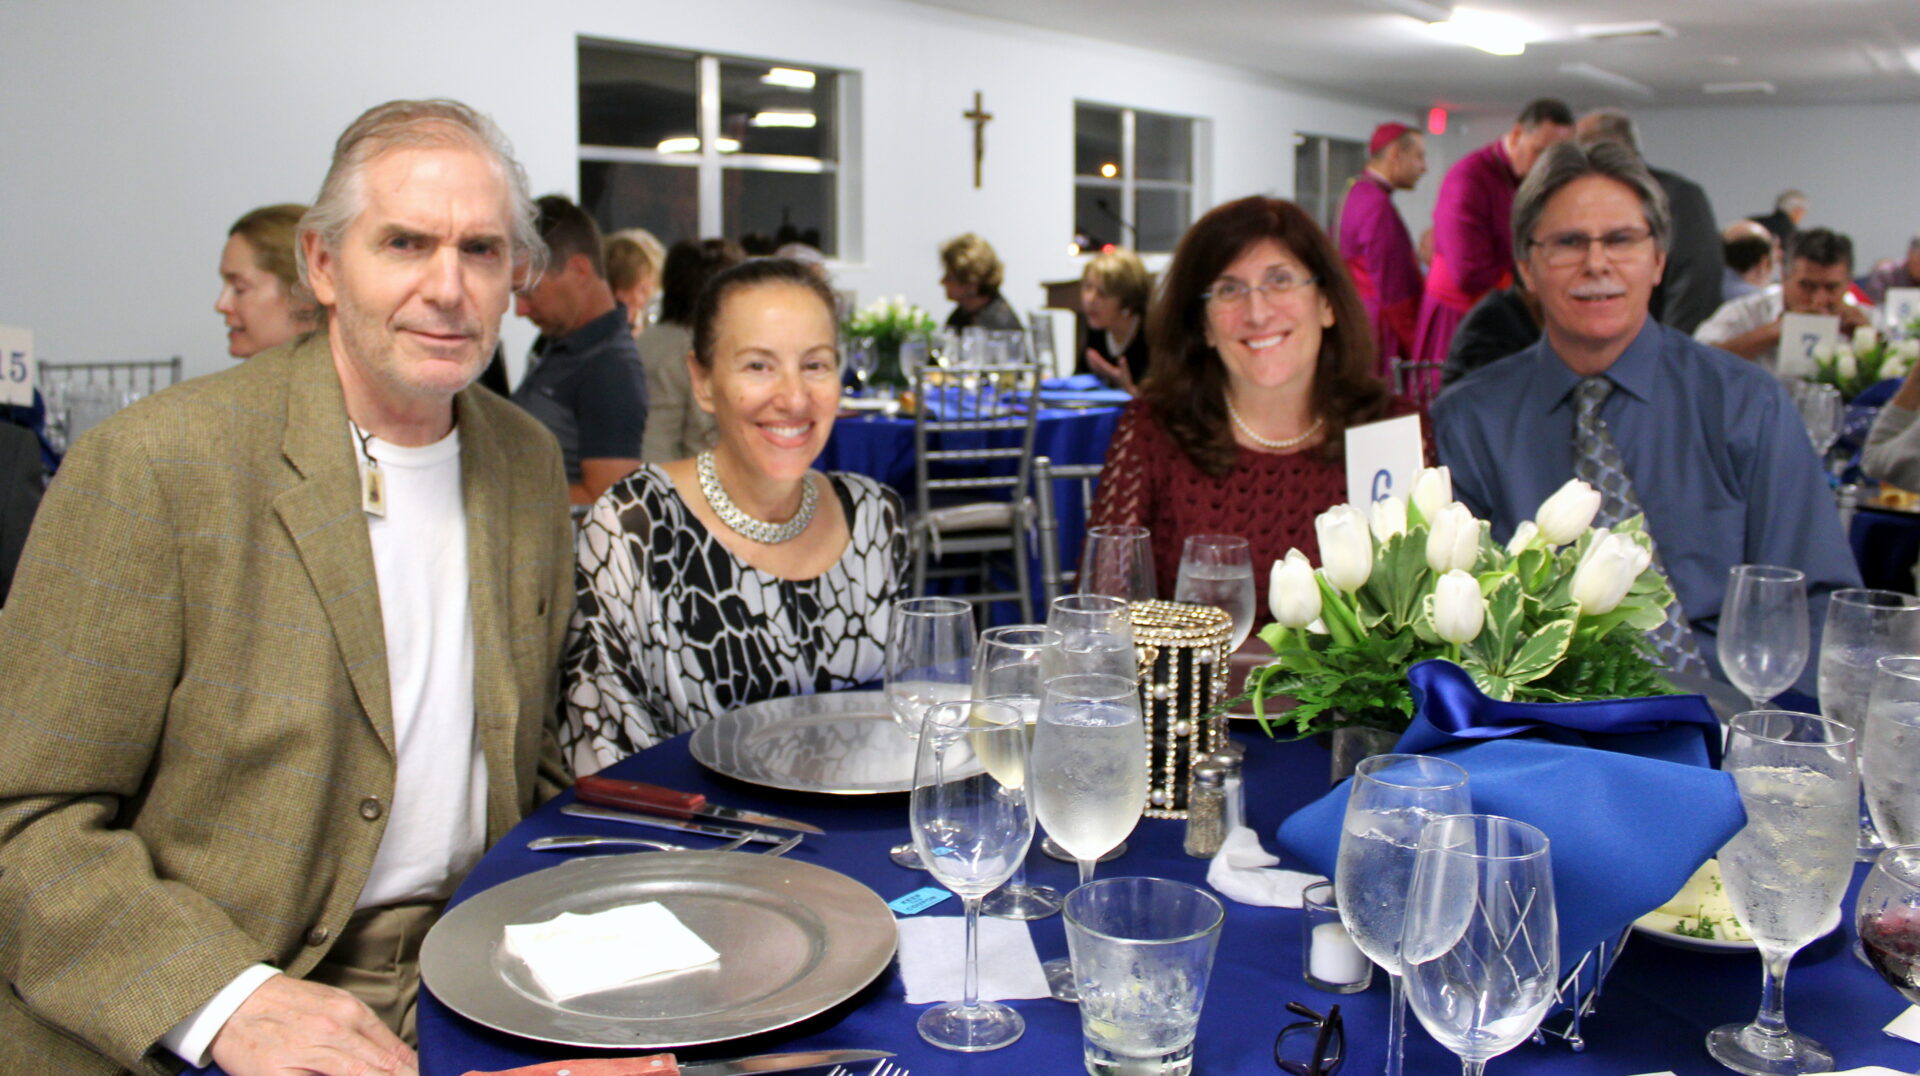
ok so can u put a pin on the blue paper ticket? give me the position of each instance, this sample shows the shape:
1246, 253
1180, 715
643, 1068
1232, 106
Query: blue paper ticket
919, 900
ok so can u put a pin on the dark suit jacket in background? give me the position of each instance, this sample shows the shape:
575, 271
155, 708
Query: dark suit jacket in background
1689, 291
21, 478
196, 713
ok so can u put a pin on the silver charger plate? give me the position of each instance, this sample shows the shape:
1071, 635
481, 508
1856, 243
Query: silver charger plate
844, 743
794, 940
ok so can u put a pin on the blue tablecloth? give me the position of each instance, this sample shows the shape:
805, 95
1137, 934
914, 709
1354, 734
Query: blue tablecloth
1658, 1006
1886, 545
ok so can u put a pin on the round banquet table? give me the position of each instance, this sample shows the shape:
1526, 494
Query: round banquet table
1657, 1007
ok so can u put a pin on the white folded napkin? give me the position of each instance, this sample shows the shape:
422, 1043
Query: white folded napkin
1906, 1025
572, 954
1238, 873
933, 959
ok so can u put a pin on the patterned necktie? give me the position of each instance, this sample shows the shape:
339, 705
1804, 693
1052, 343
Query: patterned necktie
1596, 461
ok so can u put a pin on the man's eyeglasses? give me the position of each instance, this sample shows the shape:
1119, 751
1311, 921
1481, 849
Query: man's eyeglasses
1236, 294
1570, 248
1313, 1046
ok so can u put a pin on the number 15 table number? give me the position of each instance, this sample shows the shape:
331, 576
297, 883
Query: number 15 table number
16, 366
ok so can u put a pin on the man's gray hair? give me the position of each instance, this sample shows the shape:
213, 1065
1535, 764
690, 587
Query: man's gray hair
436, 123
1790, 200
1610, 125
1569, 161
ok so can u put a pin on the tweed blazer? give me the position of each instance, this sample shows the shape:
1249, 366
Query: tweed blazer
195, 705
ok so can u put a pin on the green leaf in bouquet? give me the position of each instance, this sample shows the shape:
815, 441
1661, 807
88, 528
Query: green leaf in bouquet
1541, 652
1501, 633
1493, 685
1534, 568
1400, 577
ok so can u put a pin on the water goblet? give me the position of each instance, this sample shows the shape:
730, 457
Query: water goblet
1821, 411
1094, 634
1090, 774
1217, 570
1887, 916
1890, 750
1763, 638
1119, 561
1787, 868
1480, 944
1862, 627
863, 357
1009, 666
1391, 799
929, 660
972, 823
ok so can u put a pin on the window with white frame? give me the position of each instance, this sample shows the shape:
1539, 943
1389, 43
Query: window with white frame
691, 145
1133, 178
1323, 168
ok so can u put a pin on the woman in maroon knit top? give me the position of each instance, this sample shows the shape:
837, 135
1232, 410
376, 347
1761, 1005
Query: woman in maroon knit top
1262, 359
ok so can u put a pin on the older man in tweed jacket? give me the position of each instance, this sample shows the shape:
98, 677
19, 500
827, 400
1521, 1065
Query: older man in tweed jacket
281, 651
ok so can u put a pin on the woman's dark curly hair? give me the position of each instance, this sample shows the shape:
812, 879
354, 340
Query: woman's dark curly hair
1188, 388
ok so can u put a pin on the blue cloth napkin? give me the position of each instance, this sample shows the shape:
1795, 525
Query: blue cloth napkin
1623, 788
1076, 383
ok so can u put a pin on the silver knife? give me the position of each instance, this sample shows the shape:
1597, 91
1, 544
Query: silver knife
608, 814
780, 1062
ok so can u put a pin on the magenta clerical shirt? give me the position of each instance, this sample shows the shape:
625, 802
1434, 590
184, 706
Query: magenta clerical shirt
1380, 257
1472, 244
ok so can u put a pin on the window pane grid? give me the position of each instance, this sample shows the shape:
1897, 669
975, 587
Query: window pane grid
1133, 177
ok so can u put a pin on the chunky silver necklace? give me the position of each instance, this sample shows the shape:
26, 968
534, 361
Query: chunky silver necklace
1282, 444
745, 525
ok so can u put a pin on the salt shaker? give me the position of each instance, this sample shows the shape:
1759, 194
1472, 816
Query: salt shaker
1206, 811
1229, 758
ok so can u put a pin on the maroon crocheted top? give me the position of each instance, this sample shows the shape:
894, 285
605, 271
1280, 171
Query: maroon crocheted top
1269, 498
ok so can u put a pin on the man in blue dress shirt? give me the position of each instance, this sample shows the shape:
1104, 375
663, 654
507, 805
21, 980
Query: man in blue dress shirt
1715, 452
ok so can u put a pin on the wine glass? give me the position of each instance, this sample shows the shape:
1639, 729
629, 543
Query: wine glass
1217, 570
972, 824
1480, 947
1119, 561
1887, 915
1392, 797
1821, 410
1787, 868
1890, 750
1763, 629
1094, 634
1009, 667
863, 357
1090, 774
929, 660
1863, 626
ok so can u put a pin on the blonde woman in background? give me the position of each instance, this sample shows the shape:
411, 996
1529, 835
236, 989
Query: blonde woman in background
260, 292
634, 262
971, 277
1113, 298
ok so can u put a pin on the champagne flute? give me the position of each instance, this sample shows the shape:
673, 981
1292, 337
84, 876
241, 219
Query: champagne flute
1863, 626
1887, 915
1009, 667
929, 660
1217, 570
1787, 869
1392, 797
1480, 948
1763, 636
1119, 561
972, 824
1090, 775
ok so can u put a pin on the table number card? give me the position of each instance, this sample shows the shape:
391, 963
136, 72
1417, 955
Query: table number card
1800, 336
1383, 459
1900, 306
16, 366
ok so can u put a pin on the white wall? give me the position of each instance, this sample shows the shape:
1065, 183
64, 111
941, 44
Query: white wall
1857, 163
134, 133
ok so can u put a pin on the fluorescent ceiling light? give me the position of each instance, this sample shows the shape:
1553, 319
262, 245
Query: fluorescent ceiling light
1610, 31
1616, 82
1718, 88
783, 119
690, 144
792, 77
1424, 10
1501, 35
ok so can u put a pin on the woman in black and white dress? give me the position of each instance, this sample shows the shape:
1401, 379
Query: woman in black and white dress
741, 574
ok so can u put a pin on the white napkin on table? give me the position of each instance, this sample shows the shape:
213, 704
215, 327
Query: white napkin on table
574, 954
933, 959
1239, 872
1906, 1025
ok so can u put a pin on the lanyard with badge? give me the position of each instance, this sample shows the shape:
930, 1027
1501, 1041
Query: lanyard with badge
373, 481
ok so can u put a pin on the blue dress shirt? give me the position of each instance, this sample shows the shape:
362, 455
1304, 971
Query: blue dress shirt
1717, 454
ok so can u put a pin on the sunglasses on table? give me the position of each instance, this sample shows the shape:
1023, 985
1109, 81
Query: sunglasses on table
1313, 1046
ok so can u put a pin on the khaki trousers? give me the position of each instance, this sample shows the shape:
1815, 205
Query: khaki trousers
377, 960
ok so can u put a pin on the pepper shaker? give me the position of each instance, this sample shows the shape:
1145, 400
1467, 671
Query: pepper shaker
1206, 811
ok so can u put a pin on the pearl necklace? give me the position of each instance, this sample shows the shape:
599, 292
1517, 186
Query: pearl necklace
745, 525
1282, 444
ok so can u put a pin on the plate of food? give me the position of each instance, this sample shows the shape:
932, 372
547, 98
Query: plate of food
1701, 917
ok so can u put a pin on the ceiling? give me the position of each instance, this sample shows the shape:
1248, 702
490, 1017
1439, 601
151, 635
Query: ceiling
1811, 51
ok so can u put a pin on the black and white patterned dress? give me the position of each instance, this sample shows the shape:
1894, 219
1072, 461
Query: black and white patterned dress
672, 630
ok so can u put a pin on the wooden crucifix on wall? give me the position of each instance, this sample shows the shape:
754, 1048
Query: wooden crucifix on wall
979, 116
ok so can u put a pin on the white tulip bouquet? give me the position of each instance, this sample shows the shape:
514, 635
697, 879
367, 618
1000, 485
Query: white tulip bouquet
1859, 363
1539, 619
